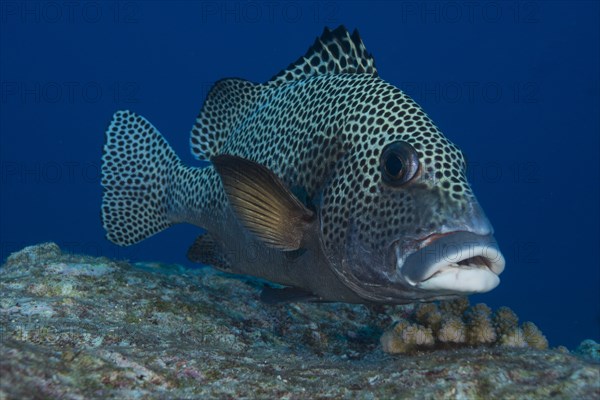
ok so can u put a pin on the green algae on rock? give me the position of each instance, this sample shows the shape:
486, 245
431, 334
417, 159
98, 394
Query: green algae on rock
78, 327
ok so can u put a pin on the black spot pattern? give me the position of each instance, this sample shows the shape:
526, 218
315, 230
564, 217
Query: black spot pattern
231, 101
324, 131
228, 103
146, 188
334, 52
321, 126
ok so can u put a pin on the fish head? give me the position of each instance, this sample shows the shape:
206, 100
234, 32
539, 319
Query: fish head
399, 221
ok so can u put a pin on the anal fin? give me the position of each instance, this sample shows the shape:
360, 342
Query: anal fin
206, 250
270, 295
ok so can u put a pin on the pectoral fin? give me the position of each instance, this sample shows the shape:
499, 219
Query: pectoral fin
262, 202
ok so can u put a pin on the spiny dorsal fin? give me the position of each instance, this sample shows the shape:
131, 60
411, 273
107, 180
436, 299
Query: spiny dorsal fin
231, 101
334, 52
228, 103
263, 204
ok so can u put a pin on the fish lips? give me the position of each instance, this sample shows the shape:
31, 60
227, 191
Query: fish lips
456, 262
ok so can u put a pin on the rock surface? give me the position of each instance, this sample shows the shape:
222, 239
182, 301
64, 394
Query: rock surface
76, 327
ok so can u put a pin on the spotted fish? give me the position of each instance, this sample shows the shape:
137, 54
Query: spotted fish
326, 180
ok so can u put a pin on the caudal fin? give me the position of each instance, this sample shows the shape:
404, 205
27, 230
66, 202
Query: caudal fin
137, 167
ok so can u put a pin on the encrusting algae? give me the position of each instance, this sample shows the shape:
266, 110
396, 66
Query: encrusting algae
454, 324
152, 330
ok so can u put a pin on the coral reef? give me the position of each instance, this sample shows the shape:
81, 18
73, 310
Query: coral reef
534, 337
452, 330
409, 336
589, 349
77, 327
455, 324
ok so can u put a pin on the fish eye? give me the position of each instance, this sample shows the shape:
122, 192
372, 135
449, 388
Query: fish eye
399, 163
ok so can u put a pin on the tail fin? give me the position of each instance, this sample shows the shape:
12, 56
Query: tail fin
137, 167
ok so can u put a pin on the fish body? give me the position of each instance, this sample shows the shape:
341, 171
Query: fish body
326, 179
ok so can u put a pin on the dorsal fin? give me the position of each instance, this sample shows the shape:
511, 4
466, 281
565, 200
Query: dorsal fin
231, 101
334, 52
228, 103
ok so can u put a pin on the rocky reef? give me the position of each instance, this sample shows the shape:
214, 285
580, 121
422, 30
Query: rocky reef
77, 327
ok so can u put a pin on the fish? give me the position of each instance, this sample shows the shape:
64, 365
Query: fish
326, 182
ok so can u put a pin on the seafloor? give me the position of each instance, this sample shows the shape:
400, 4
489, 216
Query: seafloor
77, 327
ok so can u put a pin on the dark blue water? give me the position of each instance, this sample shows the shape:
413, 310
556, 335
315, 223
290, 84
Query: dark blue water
514, 84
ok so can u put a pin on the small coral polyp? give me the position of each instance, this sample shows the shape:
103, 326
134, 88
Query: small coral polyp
453, 324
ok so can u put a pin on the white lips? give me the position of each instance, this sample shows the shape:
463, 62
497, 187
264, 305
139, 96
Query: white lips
462, 279
474, 277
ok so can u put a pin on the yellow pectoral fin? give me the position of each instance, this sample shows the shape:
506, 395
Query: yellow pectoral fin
263, 204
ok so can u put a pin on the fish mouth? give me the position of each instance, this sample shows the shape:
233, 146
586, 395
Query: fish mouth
454, 262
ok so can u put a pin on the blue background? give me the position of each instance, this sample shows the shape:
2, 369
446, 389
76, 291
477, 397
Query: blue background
514, 84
